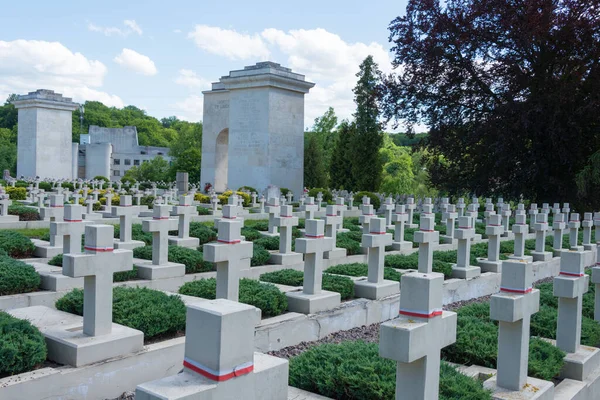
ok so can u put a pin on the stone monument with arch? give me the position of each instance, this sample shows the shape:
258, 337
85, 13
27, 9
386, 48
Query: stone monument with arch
253, 129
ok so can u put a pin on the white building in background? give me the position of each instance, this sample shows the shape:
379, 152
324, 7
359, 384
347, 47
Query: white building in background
111, 152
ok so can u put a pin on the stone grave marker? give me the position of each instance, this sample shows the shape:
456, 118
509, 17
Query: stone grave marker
332, 221
464, 234
493, 230
286, 221
399, 218
125, 213
184, 211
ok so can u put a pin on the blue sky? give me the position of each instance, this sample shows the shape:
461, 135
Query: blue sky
160, 55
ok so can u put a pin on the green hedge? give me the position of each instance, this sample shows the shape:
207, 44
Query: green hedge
137, 233
16, 193
374, 199
411, 261
16, 244
355, 371
268, 242
205, 233
192, 259
341, 284
358, 269
17, 277
251, 234
477, 343
260, 256
22, 346
151, 311
314, 192
259, 225
265, 296
203, 210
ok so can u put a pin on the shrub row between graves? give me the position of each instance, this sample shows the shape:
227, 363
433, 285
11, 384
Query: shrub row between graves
151, 311
16, 245
265, 296
314, 192
192, 259
17, 277
16, 193
477, 343
355, 371
223, 198
121, 276
341, 284
137, 233
203, 210
25, 213
358, 269
204, 233
411, 261
260, 256
22, 346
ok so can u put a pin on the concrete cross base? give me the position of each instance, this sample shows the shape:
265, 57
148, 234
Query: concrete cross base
411, 226
590, 247
146, 214
375, 291
9, 219
335, 253
534, 389
344, 230
402, 246
578, 366
541, 255
68, 345
57, 282
489, 266
286, 258
445, 239
268, 381
217, 213
469, 272
147, 270
527, 259
47, 251
312, 303
476, 238
130, 245
266, 233
92, 216
556, 252
576, 248
189, 242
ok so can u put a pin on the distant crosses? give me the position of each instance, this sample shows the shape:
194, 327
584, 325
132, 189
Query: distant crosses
56, 210
587, 224
533, 211
513, 307
184, 211
310, 208
464, 234
574, 225
493, 230
426, 236
460, 207
89, 212
367, 214
313, 299
375, 287
388, 206
262, 204
97, 267
227, 253
520, 229
506, 213
273, 210
541, 227
558, 226
124, 211
214, 201
332, 221
399, 218
566, 210
489, 210
410, 209
71, 229
450, 216
286, 222
340, 209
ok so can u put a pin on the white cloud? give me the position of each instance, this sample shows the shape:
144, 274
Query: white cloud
136, 62
130, 27
188, 78
191, 108
28, 65
229, 43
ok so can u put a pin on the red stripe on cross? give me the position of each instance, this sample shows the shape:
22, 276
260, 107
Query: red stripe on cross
218, 378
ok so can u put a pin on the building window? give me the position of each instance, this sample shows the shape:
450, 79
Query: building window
116, 172
136, 162
145, 161
127, 161
117, 161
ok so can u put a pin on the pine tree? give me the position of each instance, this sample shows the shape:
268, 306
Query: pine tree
368, 139
314, 169
340, 171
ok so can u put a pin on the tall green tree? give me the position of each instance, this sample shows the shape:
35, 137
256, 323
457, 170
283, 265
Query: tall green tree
325, 129
341, 161
157, 169
314, 168
366, 163
187, 150
510, 92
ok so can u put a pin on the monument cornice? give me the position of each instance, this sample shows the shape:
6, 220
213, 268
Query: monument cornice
266, 80
43, 103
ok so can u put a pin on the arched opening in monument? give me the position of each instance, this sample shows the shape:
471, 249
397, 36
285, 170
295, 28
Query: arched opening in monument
222, 160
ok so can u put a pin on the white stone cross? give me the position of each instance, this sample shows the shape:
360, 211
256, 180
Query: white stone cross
125, 212
184, 211
254, 196
286, 221
596, 273
388, 206
399, 218
227, 253
460, 206
426, 236
506, 213
489, 210
332, 220
574, 225
500, 203
464, 234
41, 196
70, 230
410, 209
76, 197
493, 230
365, 217
566, 210
569, 287
90, 205
108, 196
56, 210
97, 267
262, 202
558, 226
313, 245
138, 195
273, 210
555, 208
541, 227
159, 226
4, 204
319, 201
310, 208
415, 339
450, 215
290, 196
587, 224
214, 200
445, 202
340, 210
520, 228
95, 194
513, 307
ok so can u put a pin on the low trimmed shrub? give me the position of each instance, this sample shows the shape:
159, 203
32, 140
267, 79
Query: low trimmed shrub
260, 256
16, 245
265, 296
16, 193
22, 346
334, 283
57, 260
287, 277
268, 242
151, 311
251, 234
345, 241
355, 371
203, 210
358, 269
259, 225
314, 192
204, 233
25, 213
192, 259
374, 199
17, 277
137, 233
